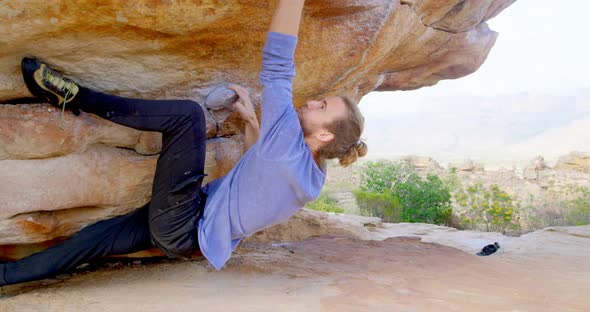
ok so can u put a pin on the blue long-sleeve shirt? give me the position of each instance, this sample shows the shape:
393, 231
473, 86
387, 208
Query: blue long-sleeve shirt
275, 177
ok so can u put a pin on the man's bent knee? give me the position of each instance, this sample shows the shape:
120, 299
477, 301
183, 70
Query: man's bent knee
180, 247
191, 111
175, 231
188, 107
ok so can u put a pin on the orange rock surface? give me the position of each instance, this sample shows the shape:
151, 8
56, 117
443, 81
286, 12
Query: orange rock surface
62, 172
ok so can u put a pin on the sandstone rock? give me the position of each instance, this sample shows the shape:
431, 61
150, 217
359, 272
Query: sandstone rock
470, 166
221, 97
421, 162
539, 163
178, 50
306, 223
170, 49
531, 172
576, 161
408, 267
98, 177
97, 184
456, 16
37, 131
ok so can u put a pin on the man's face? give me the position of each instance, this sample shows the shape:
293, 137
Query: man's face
315, 115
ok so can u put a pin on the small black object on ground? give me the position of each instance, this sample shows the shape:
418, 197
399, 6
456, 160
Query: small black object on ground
489, 249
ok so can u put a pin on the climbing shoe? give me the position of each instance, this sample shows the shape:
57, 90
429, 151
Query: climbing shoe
489, 249
47, 83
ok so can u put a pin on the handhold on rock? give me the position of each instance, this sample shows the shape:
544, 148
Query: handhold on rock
221, 97
489, 249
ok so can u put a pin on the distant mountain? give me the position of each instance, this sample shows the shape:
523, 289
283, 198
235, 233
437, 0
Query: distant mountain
557, 141
505, 129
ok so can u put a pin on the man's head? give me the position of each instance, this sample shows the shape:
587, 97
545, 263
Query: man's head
332, 128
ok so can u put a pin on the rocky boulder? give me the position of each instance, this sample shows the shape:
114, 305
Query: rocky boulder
531, 172
61, 172
421, 162
397, 267
470, 166
575, 161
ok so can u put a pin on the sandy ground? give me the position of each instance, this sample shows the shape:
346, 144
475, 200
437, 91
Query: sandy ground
420, 268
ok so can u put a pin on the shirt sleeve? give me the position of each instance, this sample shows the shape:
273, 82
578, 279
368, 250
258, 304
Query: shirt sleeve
276, 77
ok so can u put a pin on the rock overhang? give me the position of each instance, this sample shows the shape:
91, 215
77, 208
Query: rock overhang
178, 50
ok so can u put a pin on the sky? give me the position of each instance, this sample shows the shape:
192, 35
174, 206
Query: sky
541, 51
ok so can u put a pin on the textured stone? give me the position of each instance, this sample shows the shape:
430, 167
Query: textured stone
97, 184
221, 97
404, 267
458, 15
62, 165
470, 166
531, 172
98, 177
41, 131
576, 161
168, 49
305, 224
421, 162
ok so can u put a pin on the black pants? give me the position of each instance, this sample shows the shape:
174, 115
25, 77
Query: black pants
168, 222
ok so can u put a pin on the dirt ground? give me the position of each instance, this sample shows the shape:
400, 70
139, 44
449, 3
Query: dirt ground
421, 268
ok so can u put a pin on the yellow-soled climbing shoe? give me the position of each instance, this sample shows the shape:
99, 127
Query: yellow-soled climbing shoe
47, 83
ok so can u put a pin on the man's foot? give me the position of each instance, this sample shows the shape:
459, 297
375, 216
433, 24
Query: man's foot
47, 83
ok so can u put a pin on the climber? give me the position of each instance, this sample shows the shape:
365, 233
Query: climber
286, 158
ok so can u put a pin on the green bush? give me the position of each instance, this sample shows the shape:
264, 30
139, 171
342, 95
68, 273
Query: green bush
425, 200
379, 176
422, 200
383, 205
578, 209
486, 208
573, 211
324, 203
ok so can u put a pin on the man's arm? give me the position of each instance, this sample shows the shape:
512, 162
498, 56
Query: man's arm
287, 17
278, 68
244, 106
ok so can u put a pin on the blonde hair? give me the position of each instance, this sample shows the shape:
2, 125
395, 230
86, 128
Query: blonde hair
347, 145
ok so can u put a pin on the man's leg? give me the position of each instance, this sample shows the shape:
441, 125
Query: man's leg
176, 203
119, 235
176, 196
169, 221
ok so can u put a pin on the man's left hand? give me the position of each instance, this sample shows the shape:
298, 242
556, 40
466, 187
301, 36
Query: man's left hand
243, 105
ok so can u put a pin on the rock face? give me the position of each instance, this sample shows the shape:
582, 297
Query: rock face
421, 162
394, 267
470, 166
531, 172
575, 161
61, 172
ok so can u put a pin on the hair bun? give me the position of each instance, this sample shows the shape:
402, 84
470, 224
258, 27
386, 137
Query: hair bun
361, 148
